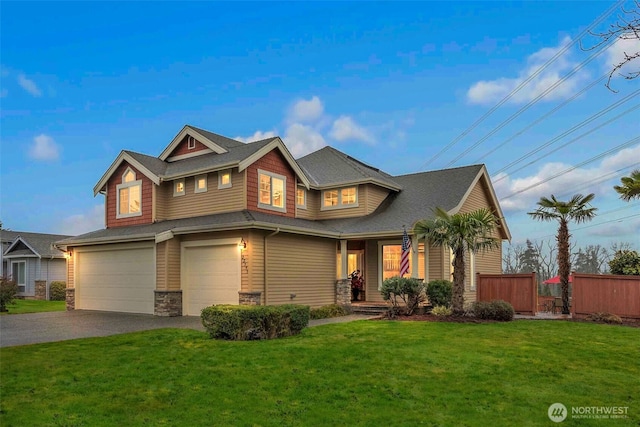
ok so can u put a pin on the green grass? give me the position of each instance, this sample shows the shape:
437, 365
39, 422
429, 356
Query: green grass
22, 306
369, 373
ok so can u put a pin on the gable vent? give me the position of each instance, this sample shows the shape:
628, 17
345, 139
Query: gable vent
191, 143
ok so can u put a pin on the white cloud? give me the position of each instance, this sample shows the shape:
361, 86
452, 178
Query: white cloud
491, 91
304, 111
581, 180
257, 136
29, 85
44, 148
615, 54
84, 222
345, 128
302, 139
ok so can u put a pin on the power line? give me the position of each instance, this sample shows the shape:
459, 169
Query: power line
613, 119
592, 159
598, 180
602, 17
590, 226
571, 130
532, 102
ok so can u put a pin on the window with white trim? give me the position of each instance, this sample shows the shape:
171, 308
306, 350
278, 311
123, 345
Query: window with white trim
201, 184
224, 179
19, 273
301, 198
129, 195
178, 187
272, 191
340, 198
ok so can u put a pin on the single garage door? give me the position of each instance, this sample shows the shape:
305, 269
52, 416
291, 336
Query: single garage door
116, 278
210, 274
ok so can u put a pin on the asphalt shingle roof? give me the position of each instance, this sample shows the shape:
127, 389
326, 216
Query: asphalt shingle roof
330, 167
222, 141
40, 242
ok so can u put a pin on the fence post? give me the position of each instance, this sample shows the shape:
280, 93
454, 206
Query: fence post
534, 286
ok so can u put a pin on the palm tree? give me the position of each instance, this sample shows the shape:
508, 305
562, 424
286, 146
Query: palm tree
630, 187
461, 232
575, 209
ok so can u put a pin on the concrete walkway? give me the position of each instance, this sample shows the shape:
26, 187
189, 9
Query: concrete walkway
34, 328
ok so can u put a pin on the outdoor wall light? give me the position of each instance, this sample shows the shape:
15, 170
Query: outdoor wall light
242, 245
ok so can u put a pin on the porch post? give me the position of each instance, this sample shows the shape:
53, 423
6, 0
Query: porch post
426, 260
344, 264
414, 256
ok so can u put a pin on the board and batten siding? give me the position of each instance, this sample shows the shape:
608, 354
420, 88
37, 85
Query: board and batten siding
302, 266
192, 204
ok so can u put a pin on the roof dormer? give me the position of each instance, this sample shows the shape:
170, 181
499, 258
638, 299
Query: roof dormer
190, 142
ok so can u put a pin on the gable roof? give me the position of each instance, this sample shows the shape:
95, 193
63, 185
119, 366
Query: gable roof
235, 154
19, 243
329, 167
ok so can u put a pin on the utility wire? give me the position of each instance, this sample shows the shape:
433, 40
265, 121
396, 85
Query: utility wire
495, 130
571, 130
602, 17
589, 226
579, 137
541, 118
592, 159
598, 180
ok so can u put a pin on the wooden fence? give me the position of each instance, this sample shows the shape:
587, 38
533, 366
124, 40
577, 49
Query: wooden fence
520, 290
593, 293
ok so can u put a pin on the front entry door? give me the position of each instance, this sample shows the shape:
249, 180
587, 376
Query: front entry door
355, 261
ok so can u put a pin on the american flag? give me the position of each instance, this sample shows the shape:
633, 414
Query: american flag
406, 249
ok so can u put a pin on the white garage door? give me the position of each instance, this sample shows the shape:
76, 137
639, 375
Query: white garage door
210, 274
116, 278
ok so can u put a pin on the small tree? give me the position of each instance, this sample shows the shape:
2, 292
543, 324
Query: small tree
8, 292
625, 262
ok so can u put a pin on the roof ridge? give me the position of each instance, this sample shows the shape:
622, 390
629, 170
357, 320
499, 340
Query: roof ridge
439, 170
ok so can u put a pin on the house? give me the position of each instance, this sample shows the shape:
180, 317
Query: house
32, 260
212, 220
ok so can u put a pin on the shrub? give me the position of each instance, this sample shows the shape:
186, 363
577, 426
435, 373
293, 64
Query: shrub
494, 310
604, 318
409, 290
440, 292
243, 322
8, 292
625, 262
327, 311
441, 310
58, 291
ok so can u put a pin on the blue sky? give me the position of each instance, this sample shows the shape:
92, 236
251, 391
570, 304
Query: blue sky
392, 84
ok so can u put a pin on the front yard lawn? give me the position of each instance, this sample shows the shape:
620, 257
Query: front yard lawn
22, 306
373, 373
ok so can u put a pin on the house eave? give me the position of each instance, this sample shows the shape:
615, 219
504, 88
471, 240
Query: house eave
276, 143
123, 156
356, 182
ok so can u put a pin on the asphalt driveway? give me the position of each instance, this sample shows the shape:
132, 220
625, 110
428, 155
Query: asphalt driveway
34, 328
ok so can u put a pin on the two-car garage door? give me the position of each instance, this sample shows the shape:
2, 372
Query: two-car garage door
116, 278
122, 277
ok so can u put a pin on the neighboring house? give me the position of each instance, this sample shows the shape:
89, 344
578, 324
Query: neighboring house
213, 220
28, 258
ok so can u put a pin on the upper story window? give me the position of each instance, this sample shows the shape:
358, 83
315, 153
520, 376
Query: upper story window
178, 187
201, 184
340, 198
301, 198
129, 195
224, 179
191, 143
271, 191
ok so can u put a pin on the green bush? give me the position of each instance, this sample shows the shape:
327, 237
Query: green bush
58, 291
625, 262
440, 292
441, 310
604, 318
493, 310
327, 311
8, 292
397, 290
244, 322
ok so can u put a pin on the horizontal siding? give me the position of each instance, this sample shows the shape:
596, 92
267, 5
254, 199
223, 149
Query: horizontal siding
54, 270
371, 272
300, 265
161, 266
70, 271
313, 206
374, 196
192, 204
359, 210
173, 264
255, 253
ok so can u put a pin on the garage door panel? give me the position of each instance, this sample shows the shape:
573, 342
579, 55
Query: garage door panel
211, 276
118, 279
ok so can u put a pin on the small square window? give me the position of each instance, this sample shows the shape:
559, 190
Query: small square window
301, 198
224, 179
178, 187
191, 143
201, 184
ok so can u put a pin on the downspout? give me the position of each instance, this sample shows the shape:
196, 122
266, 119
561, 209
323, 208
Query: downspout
264, 254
